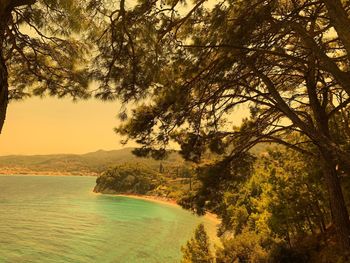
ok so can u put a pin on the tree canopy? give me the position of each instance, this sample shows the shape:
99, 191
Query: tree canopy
41, 50
275, 211
189, 67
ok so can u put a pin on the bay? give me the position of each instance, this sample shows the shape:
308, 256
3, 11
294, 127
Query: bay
60, 219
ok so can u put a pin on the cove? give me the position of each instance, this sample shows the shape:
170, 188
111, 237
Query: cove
59, 219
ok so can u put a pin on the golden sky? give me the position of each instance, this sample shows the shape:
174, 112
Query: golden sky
49, 125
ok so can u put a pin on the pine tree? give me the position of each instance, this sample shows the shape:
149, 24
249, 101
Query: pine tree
190, 69
197, 250
38, 53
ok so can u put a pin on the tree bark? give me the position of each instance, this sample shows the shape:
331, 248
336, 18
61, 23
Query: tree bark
338, 207
3, 91
330, 160
340, 20
3, 69
6, 7
343, 78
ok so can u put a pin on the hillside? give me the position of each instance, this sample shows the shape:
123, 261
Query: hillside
73, 164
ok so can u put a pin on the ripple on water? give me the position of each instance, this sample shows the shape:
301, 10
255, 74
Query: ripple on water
57, 219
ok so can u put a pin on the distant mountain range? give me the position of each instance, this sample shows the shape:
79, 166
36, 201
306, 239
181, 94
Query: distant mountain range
88, 164
74, 164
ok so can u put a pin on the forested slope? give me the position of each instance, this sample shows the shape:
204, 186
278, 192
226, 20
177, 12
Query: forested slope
91, 163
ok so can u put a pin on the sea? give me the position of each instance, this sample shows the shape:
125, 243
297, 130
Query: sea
59, 219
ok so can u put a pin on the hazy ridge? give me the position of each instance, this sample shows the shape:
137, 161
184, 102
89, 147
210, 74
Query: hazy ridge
91, 163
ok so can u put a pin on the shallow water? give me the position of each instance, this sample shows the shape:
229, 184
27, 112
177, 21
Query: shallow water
59, 219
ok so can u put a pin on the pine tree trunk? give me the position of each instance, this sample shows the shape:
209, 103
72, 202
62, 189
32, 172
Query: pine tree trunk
3, 91
4, 17
340, 20
6, 7
340, 215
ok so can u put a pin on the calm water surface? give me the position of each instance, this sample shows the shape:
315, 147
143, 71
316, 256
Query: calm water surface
59, 219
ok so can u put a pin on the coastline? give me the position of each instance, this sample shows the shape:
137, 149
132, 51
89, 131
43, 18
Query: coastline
209, 217
166, 201
49, 174
158, 199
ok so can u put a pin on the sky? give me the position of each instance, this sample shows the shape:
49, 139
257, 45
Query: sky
50, 125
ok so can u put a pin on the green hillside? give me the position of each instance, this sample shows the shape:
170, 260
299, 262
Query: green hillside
90, 163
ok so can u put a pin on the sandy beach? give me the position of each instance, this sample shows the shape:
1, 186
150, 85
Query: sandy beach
47, 174
167, 201
212, 218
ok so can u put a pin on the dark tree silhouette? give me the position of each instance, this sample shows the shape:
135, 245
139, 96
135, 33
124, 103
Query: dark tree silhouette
190, 67
38, 54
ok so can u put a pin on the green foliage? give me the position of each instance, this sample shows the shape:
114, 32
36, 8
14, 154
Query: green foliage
245, 247
168, 178
44, 51
197, 250
215, 178
126, 179
129, 178
273, 206
299, 187
190, 64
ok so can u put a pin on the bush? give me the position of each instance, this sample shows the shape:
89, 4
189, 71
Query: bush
245, 247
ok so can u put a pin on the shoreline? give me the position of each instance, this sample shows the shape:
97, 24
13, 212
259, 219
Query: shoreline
46, 174
165, 201
157, 199
210, 217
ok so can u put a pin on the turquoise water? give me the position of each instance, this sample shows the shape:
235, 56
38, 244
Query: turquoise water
59, 219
